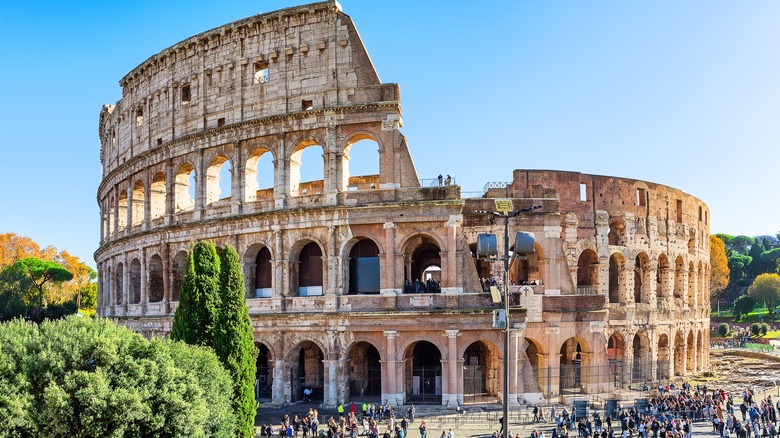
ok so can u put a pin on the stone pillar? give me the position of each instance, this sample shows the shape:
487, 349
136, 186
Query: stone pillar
390, 282
282, 173
601, 274
513, 356
115, 228
237, 184
125, 283
450, 394
450, 283
170, 192
330, 260
201, 179
144, 281
277, 282
392, 379
278, 393
330, 398
167, 283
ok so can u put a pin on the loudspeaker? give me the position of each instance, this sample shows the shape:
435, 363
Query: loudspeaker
524, 243
486, 246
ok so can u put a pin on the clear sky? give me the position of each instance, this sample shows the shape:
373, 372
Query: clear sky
685, 94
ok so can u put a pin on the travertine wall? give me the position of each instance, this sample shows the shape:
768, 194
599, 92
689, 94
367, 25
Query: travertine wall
618, 283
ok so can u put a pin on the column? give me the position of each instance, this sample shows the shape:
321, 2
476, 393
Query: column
170, 192
237, 186
331, 383
201, 180
392, 377
281, 173
450, 394
330, 286
144, 281
513, 356
278, 393
390, 283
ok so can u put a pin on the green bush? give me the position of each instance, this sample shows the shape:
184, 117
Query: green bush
724, 329
755, 329
764, 329
84, 377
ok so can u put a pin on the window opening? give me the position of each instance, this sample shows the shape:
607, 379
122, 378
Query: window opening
307, 105
261, 72
583, 192
679, 210
641, 197
220, 122
139, 118
186, 94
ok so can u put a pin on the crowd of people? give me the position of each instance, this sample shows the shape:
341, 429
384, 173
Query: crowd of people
429, 286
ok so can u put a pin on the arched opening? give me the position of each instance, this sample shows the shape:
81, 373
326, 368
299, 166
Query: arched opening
119, 283
134, 290
690, 362
157, 196
691, 285
617, 232
184, 194
641, 278
617, 279
263, 375
138, 204
679, 355
365, 373
310, 271
422, 265
480, 362
662, 281
179, 268
361, 164
587, 272
122, 211
307, 371
679, 280
307, 179
219, 180
263, 274
259, 177
641, 372
663, 358
423, 372
527, 269
156, 284
616, 352
692, 243
536, 361
571, 369
364, 268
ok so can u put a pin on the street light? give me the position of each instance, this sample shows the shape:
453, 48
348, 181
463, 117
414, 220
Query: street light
524, 245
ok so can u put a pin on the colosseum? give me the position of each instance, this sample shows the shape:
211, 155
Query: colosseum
367, 287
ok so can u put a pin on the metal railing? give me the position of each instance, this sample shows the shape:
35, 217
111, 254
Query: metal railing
496, 185
586, 290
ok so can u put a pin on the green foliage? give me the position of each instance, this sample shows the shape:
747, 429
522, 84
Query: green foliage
764, 329
739, 266
196, 314
234, 340
84, 377
766, 289
723, 330
89, 296
22, 287
755, 329
744, 305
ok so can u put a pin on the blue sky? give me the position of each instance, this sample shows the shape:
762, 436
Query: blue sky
685, 94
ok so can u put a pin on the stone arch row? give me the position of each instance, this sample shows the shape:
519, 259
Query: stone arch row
150, 278
643, 280
145, 198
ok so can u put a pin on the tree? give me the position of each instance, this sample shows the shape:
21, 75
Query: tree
39, 272
744, 305
739, 266
234, 340
766, 289
723, 330
755, 329
194, 319
14, 247
82, 377
719, 267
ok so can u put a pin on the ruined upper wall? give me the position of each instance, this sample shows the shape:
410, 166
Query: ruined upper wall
305, 58
585, 194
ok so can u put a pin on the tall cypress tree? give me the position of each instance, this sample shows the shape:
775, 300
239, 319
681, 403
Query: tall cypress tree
199, 300
234, 340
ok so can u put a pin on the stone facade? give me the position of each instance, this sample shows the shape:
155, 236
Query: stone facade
617, 286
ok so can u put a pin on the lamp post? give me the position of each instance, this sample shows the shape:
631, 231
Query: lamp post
505, 211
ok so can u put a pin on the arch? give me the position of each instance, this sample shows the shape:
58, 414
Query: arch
479, 359
527, 269
616, 348
122, 211
157, 196
679, 279
218, 180
587, 272
365, 372
259, 175
364, 148
364, 267
617, 278
423, 373
139, 213
421, 253
535, 354
572, 373
662, 278
307, 274
134, 286
641, 371
679, 355
690, 358
663, 358
263, 373
642, 278
156, 286
119, 282
183, 192
617, 232
306, 370
263, 275
314, 179
179, 269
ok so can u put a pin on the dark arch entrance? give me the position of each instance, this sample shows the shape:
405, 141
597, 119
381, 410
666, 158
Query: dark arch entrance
310, 271
264, 381
424, 255
478, 359
263, 274
307, 371
365, 373
423, 369
364, 268
571, 367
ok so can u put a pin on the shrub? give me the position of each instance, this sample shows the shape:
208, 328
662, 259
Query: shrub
755, 329
764, 328
724, 329
85, 377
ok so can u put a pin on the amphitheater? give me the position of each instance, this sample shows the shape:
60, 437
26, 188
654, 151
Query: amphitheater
615, 295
